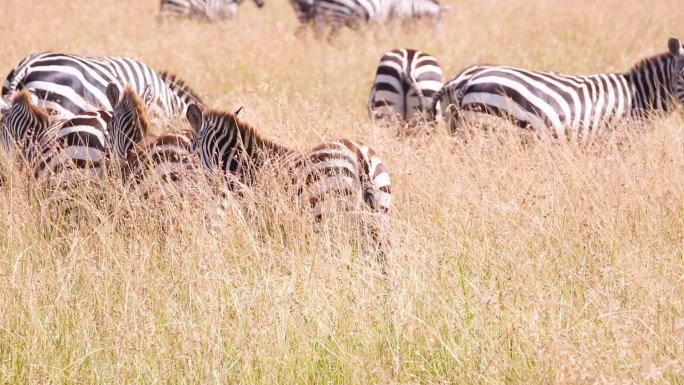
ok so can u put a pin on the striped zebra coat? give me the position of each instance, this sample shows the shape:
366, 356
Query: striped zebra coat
559, 105
341, 171
157, 162
210, 10
67, 85
405, 84
56, 151
352, 13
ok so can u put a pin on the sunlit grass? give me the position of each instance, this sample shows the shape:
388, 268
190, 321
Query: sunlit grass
512, 262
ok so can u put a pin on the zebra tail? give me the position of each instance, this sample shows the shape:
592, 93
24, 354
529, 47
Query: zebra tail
436, 107
419, 92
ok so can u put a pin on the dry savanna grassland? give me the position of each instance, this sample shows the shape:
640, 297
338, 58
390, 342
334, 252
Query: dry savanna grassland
536, 263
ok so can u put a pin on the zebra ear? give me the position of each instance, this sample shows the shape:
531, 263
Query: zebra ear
194, 116
675, 47
148, 95
4, 106
113, 94
238, 112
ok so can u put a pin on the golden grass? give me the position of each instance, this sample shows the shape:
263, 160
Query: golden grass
535, 264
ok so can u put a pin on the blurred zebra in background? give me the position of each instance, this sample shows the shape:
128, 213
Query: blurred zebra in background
148, 155
405, 84
304, 9
340, 172
55, 151
336, 14
67, 85
559, 105
211, 10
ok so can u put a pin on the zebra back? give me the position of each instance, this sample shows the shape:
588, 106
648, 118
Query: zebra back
67, 85
405, 84
181, 90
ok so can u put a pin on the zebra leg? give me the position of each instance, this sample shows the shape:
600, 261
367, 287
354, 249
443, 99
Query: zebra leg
381, 242
335, 28
300, 32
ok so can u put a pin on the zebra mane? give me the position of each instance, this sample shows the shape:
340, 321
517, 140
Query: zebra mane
151, 132
651, 59
247, 130
138, 105
175, 83
26, 98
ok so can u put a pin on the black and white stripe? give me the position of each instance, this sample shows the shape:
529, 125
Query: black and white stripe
562, 105
405, 84
339, 169
212, 10
55, 149
351, 13
304, 9
67, 85
149, 157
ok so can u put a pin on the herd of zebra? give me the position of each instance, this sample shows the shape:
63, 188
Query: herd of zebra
65, 114
320, 14
408, 86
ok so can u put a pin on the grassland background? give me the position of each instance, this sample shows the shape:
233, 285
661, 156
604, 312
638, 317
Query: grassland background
546, 263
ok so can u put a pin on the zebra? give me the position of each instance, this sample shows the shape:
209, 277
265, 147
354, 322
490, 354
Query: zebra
148, 157
52, 150
304, 9
211, 10
405, 84
67, 85
342, 169
351, 13
559, 105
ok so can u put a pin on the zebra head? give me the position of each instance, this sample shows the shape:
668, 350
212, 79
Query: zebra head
222, 141
129, 124
677, 51
22, 121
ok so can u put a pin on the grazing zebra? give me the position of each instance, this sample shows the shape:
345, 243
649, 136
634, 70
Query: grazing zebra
67, 85
351, 13
149, 158
405, 84
55, 149
304, 9
212, 10
340, 169
566, 106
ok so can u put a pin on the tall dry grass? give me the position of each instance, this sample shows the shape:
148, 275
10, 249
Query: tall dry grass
537, 263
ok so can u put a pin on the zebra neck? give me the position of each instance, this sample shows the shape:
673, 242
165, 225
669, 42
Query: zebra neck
263, 149
650, 83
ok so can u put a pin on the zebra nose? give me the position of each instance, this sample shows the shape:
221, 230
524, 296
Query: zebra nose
369, 198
